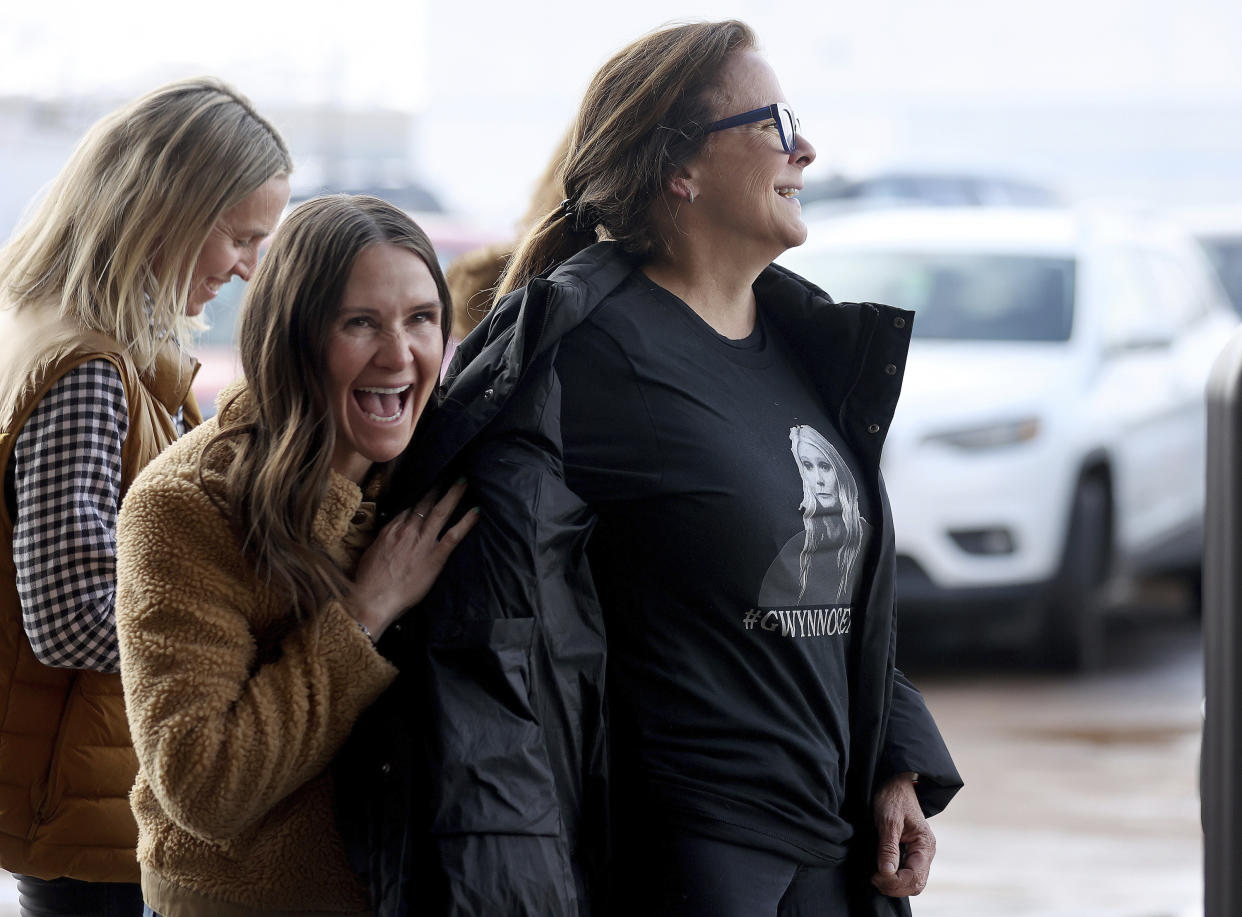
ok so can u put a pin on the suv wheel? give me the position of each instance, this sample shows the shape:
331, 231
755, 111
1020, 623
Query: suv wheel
1073, 625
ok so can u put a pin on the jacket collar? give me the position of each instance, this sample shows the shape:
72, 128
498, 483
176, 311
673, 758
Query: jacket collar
577, 285
169, 380
522, 330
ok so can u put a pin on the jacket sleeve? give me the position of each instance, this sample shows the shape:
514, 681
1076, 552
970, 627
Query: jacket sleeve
223, 731
913, 743
911, 740
510, 659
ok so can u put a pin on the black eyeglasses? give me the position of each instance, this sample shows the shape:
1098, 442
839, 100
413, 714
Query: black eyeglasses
786, 124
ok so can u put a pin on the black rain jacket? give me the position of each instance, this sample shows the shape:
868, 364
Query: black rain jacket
478, 784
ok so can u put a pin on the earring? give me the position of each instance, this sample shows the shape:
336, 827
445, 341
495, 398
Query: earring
692, 196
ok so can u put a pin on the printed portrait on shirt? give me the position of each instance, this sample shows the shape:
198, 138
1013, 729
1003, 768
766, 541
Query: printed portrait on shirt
820, 565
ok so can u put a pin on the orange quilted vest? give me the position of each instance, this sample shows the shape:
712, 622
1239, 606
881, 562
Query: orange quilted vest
66, 761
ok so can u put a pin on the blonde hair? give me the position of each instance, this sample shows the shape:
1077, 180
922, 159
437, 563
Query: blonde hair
814, 525
112, 246
283, 433
644, 115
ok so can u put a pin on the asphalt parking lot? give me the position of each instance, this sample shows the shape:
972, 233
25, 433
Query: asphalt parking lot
1081, 794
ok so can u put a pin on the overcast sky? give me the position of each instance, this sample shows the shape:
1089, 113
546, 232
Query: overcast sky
304, 49
494, 83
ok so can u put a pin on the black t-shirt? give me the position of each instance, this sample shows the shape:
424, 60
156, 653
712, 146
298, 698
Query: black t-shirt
730, 542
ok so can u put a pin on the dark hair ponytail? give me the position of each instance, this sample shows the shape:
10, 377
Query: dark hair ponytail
643, 116
558, 236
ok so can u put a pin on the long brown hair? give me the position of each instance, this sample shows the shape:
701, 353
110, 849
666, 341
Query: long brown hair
283, 432
112, 246
643, 116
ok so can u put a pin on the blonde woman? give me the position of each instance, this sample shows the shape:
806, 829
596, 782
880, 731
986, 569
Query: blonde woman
162, 203
830, 514
253, 577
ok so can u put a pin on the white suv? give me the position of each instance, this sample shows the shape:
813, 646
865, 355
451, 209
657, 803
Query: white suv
1050, 436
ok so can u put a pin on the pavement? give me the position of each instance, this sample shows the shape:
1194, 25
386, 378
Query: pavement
1081, 795
1082, 792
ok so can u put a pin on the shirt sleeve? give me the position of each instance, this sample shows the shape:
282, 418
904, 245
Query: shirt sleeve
67, 477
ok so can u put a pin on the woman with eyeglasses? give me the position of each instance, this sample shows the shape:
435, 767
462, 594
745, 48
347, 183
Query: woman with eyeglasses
624, 416
163, 202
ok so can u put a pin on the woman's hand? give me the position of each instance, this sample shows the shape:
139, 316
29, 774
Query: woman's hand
900, 821
401, 565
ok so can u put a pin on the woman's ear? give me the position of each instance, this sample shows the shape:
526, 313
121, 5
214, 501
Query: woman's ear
681, 185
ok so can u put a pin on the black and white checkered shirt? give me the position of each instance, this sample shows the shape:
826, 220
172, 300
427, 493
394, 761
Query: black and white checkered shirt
67, 476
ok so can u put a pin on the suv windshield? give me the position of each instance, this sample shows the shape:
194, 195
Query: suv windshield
966, 297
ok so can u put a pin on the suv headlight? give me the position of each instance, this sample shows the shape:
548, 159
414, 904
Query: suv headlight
989, 436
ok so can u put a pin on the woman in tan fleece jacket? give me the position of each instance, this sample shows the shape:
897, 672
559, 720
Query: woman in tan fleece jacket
252, 583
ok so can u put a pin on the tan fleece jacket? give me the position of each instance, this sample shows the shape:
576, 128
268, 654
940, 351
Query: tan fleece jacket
235, 707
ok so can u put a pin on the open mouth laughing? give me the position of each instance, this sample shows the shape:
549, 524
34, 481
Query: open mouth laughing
382, 405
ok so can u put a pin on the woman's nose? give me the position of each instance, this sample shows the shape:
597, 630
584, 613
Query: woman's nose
394, 350
804, 152
244, 266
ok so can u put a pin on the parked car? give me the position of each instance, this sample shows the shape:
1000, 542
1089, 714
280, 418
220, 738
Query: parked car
216, 348
1050, 437
1218, 228
903, 188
